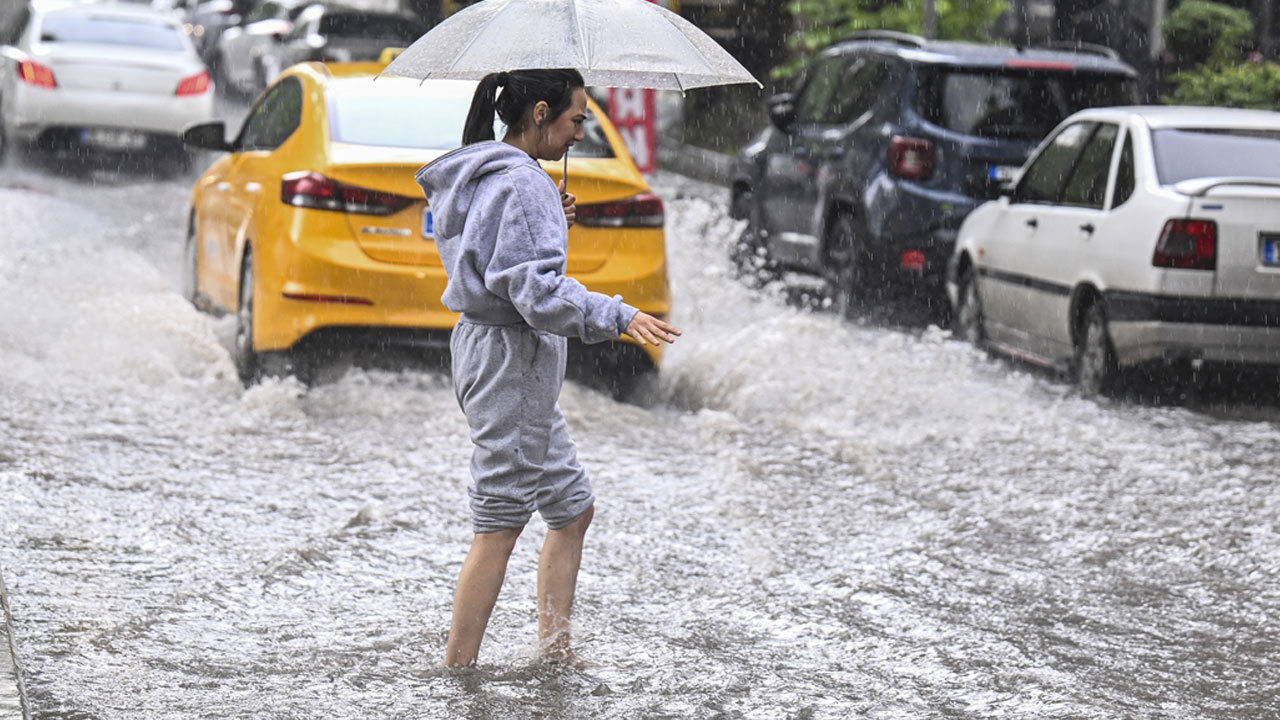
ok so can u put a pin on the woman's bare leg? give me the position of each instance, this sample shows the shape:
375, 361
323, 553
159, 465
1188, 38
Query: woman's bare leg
478, 585
557, 580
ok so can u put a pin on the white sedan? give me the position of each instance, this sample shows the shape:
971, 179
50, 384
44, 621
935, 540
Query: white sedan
1131, 235
105, 76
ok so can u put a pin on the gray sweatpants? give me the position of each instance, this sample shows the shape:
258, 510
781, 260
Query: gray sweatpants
507, 379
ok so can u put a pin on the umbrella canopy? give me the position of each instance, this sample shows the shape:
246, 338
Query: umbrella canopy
614, 43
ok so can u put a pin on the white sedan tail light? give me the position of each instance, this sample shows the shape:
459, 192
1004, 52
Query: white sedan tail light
1187, 245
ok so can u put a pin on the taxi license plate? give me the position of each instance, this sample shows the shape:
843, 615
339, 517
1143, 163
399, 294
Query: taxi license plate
114, 139
428, 224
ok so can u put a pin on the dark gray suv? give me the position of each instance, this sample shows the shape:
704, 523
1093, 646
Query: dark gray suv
889, 141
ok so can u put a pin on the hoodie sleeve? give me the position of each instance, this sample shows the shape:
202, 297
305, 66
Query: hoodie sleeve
527, 223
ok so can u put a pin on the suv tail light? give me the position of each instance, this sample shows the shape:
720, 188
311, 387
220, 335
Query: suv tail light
1188, 245
638, 211
197, 84
33, 73
910, 158
313, 190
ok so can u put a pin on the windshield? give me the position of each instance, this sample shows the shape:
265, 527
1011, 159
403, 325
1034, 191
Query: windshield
1014, 105
399, 112
1184, 154
369, 26
76, 27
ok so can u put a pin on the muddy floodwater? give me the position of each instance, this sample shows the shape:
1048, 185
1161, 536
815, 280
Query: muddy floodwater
813, 519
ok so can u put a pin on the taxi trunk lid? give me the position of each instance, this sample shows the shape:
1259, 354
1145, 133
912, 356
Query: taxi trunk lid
406, 236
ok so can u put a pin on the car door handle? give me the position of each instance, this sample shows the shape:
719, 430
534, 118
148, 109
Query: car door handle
1033, 223
1088, 228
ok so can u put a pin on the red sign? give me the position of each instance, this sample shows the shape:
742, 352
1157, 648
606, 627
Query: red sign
633, 113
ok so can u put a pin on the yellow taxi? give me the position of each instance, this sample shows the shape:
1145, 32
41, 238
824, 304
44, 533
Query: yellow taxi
313, 231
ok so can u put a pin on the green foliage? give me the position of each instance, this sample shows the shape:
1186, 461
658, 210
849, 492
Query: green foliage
1249, 85
1201, 32
822, 22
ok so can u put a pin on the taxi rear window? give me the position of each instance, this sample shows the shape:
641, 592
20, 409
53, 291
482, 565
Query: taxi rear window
398, 112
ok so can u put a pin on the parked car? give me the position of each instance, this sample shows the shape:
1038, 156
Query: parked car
314, 232
103, 76
207, 20
1133, 234
890, 140
238, 58
329, 33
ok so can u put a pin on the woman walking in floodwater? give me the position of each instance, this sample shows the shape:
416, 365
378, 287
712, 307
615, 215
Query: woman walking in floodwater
501, 228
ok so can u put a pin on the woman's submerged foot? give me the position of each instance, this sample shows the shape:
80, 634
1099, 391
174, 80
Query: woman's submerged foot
564, 657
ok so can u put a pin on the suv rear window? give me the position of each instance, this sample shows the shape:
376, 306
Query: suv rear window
1013, 104
1184, 154
399, 112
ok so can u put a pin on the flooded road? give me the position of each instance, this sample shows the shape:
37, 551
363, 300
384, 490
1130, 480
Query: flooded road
815, 520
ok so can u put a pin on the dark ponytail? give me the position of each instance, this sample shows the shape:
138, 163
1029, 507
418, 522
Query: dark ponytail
521, 90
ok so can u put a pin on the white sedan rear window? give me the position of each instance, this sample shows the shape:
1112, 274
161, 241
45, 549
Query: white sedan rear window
1186, 154
76, 27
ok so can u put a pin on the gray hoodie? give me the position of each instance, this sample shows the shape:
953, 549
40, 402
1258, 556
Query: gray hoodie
501, 232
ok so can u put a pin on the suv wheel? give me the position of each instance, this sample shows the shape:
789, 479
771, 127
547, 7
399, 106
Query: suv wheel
750, 254
1095, 355
846, 272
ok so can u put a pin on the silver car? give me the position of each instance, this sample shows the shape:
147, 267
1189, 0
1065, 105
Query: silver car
340, 34
104, 76
241, 47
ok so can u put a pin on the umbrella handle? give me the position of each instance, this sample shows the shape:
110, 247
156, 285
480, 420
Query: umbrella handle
564, 177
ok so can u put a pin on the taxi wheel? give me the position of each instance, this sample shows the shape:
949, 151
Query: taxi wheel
252, 365
1095, 355
190, 284
968, 321
244, 356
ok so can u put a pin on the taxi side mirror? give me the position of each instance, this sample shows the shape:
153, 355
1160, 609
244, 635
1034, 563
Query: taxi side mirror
207, 136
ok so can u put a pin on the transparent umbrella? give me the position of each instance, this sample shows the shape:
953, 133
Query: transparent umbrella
614, 43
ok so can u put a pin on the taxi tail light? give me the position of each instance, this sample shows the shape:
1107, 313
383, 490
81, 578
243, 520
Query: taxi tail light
33, 73
313, 190
1187, 245
638, 211
910, 158
197, 84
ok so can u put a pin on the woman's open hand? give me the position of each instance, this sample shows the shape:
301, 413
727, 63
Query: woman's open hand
647, 329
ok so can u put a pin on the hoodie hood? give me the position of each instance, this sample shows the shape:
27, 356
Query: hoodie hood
449, 182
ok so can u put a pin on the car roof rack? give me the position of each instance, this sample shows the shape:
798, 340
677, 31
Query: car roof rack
892, 36
1084, 47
